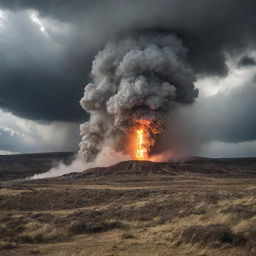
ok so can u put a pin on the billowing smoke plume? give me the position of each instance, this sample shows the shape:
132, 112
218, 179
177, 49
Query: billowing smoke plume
137, 79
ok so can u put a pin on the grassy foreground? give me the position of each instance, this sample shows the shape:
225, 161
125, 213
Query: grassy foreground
163, 215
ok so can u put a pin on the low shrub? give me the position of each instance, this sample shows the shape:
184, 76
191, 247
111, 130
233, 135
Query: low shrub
212, 235
43, 234
85, 227
127, 236
7, 245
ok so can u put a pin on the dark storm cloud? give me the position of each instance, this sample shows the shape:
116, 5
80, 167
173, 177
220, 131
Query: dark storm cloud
246, 61
37, 80
228, 116
47, 85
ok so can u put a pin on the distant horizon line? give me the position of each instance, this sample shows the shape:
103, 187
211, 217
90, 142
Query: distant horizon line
75, 152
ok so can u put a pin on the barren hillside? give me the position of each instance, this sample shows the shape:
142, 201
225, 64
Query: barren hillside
198, 207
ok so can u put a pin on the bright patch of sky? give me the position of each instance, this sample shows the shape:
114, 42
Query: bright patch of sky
23, 136
2, 18
49, 26
35, 18
11, 131
5, 152
236, 77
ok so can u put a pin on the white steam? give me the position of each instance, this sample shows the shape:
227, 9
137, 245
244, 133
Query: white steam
107, 157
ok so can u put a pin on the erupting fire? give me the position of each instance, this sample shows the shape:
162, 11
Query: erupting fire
143, 139
141, 151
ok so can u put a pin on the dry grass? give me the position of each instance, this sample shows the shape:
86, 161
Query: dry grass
42, 233
187, 216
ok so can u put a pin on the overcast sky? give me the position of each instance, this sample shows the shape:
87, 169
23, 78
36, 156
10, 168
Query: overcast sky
47, 47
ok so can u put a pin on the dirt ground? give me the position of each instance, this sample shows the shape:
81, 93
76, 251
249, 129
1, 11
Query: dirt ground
148, 213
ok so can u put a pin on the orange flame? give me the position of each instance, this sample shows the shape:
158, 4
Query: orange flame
143, 138
141, 151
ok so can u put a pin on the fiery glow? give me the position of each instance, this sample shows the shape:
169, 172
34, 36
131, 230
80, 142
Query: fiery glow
143, 139
141, 151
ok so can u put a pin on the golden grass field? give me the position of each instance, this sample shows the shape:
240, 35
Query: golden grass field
178, 213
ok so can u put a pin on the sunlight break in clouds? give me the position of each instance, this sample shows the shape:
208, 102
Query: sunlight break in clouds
209, 86
24, 136
34, 17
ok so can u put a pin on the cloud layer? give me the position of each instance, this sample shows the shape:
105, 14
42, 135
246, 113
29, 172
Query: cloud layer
45, 60
47, 48
18, 135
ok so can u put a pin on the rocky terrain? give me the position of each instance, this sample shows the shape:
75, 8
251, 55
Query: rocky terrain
196, 207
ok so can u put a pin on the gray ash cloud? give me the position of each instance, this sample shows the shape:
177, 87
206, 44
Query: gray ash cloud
140, 78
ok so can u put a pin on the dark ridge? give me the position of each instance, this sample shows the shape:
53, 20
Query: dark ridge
14, 167
196, 165
24, 165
